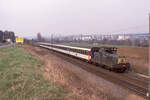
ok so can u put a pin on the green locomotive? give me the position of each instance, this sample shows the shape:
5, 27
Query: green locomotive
108, 57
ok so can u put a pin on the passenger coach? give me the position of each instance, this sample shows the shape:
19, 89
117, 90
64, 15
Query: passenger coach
83, 53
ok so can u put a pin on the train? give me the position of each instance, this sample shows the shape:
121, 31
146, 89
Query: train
104, 56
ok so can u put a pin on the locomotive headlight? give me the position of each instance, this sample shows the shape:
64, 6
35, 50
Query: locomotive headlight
121, 60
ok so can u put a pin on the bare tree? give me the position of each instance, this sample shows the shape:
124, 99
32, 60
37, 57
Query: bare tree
39, 37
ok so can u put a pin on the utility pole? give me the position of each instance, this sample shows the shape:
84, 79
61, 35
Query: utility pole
81, 37
149, 26
52, 38
149, 58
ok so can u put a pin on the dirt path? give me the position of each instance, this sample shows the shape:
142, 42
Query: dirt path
83, 85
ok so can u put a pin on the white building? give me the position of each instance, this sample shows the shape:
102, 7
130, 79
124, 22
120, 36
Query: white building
84, 38
121, 37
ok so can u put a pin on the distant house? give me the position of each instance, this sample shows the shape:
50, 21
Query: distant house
121, 37
1, 36
83, 37
7, 35
86, 37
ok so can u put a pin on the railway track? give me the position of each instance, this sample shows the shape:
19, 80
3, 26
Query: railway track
132, 83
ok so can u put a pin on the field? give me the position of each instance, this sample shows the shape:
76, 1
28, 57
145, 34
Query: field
137, 56
86, 44
22, 77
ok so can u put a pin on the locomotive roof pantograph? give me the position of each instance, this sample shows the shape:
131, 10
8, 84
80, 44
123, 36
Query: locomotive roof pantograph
111, 50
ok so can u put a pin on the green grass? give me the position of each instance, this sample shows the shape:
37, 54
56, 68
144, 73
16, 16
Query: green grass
86, 44
21, 77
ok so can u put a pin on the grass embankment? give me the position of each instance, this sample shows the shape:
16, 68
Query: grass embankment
21, 77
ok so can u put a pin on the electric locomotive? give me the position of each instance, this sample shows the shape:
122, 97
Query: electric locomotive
108, 57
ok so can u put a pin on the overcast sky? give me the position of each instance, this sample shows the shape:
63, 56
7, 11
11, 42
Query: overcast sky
28, 17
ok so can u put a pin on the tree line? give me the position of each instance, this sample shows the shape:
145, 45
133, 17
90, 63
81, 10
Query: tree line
128, 42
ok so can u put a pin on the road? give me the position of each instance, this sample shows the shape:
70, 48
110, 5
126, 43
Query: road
6, 46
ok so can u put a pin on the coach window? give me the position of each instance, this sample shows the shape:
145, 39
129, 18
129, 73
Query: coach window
73, 50
65, 48
83, 51
78, 51
86, 52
